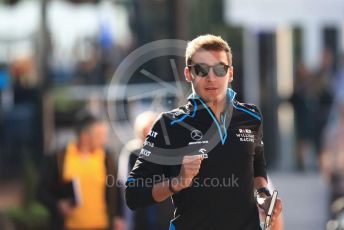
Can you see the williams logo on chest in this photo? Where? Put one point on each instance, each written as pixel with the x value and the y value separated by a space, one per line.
pixel 245 135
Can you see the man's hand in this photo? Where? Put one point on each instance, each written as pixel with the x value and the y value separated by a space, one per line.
pixel 264 206
pixel 119 223
pixel 190 168
pixel 65 207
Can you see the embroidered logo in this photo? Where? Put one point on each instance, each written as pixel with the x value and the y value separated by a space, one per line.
pixel 196 135
pixel 153 134
pixel 148 143
pixel 245 135
pixel 204 155
pixel 145 152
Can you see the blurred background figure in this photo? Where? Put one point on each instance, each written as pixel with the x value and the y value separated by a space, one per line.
pixel 312 100
pixel 332 168
pixel 21 118
pixel 332 155
pixel 338 83
pixel 304 103
pixel 151 218
pixel 323 79
pixel 78 182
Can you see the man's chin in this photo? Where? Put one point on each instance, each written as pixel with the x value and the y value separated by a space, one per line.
pixel 214 98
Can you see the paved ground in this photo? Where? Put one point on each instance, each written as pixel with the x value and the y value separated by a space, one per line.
pixel 304 198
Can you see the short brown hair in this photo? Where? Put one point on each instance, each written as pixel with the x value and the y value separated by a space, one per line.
pixel 85 119
pixel 207 42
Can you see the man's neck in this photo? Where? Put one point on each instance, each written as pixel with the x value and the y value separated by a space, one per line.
pixel 217 107
pixel 83 149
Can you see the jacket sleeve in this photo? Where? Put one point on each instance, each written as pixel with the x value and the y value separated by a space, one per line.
pixel 147 172
pixel 49 179
pixel 114 197
pixel 259 158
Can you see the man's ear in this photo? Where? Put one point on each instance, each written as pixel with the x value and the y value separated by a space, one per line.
pixel 231 74
pixel 187 74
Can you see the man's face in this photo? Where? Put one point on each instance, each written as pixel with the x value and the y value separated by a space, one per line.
pixel 211 88
pixel 97 135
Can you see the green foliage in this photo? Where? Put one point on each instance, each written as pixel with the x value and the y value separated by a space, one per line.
pixel 63 103
pixel 29 215
pixel 32 217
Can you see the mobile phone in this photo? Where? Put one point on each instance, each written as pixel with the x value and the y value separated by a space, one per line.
pixel 271 209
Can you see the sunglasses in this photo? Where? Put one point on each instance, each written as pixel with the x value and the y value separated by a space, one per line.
pixel 202 70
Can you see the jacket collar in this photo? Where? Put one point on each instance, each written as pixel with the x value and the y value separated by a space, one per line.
pixel 230 95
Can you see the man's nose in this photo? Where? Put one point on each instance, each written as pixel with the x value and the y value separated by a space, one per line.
pixel 211 75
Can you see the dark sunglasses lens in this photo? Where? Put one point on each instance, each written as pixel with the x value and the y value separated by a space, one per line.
pixel 220 70
pixel 201 70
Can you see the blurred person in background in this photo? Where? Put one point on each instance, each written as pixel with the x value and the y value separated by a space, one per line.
pixel 20 117
pixel 312 96
pixel 323 82
pixel 155 217
pixel 332 155
pixel 78 183
pixel 338 83
pixel 304 103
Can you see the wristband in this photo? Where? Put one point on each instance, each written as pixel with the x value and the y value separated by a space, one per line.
pixel 170 187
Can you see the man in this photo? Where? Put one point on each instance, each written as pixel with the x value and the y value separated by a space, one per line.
pixel 77 182
pixel 331 158
pixel 150 218
pixel 217 140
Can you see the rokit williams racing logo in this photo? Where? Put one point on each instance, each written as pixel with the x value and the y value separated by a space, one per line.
pixel 245 135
